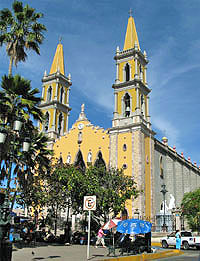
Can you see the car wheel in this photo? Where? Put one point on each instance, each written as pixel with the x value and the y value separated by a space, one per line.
pixel 164 244
pixel 186 246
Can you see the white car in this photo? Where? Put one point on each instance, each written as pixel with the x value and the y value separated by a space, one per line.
pixel 187 240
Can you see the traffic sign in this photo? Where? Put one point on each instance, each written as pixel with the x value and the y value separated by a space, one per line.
pixel 89 203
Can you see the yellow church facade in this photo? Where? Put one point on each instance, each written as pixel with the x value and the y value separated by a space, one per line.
pixel 130 143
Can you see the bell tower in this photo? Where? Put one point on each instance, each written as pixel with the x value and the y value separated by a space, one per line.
pixel 55 94
pixel 131 137
pixel 130 88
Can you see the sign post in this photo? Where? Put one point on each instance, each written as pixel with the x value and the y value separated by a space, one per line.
pixel 89 204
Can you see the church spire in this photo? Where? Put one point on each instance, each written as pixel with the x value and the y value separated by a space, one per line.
pixel 131 38
pixel 58 61
pixel 131 88
pixel 55 95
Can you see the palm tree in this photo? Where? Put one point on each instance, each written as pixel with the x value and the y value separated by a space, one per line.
pixel 20 31
pixel 18 99
pixel 32 174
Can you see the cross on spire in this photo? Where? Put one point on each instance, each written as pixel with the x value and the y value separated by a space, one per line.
pixel 130 12
pixel 60 39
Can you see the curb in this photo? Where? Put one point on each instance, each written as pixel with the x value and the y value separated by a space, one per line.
pixel 156 244
pixel 143 257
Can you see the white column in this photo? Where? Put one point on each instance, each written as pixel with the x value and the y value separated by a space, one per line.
pixel 68 96
pixel 116 96
pixel 117 73
pixel 53 127
pixel 136 68
pixel 145 75
pixel 147 107
pixel 56 94
pixel 116 102
pixel 42 92
pixel 137 102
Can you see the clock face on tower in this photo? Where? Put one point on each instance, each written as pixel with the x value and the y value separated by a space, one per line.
pixel 80 126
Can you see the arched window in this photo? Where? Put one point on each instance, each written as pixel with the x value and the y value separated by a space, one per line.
pixel 161 168
pixel 124 166
pixel 61 94
pixel 46 125
pixel 141 72
pixel 68 159
pixel 124 147
pixel 89 157
pixel 127 72
pixel 60 123
pixel 80 137
pixel 60 160
pixel 142 100
pixel 99 162
pixel 127 110
pixel 79 163
pixel 49 94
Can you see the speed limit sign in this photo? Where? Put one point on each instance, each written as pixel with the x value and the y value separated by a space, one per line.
pixel 89 203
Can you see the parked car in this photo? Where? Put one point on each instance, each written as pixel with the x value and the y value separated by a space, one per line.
pixel 187 240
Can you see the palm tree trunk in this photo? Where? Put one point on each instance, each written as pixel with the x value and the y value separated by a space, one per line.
pixel 10 66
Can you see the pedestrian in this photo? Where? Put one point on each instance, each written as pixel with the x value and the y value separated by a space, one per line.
pixel 178 239
pixel 100 238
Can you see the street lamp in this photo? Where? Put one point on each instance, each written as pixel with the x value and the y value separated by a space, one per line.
pixel 5 217
pixel 164 191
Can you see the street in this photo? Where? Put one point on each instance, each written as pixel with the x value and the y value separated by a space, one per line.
pixel 79 253
pixel 191 255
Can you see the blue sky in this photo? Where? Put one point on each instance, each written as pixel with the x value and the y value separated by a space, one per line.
pixel 91 30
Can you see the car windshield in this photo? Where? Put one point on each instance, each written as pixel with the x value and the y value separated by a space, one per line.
pixel 186 234
pixel 171 235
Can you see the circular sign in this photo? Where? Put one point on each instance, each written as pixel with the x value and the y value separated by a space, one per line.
pixel 90 203
pixel 80 126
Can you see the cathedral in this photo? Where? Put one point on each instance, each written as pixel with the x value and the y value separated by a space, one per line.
pixel 130 143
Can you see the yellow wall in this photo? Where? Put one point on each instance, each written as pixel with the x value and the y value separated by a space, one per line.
pixel 93 139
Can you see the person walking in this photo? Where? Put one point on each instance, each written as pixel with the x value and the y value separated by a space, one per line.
pixel 100 238
pixel 178 239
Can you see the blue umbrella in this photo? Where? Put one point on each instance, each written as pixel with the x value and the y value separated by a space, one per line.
pixel 134 226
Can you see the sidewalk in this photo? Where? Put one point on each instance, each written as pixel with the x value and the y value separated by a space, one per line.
pixel 74 253
pixel 59 253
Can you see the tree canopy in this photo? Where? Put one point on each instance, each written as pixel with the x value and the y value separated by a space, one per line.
pixel 191 208
pixel 19 100
pixel 111 187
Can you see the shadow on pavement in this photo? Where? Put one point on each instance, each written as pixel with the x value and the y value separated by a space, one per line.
pixel 53 257
pixel 49 257
pixel 94 256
